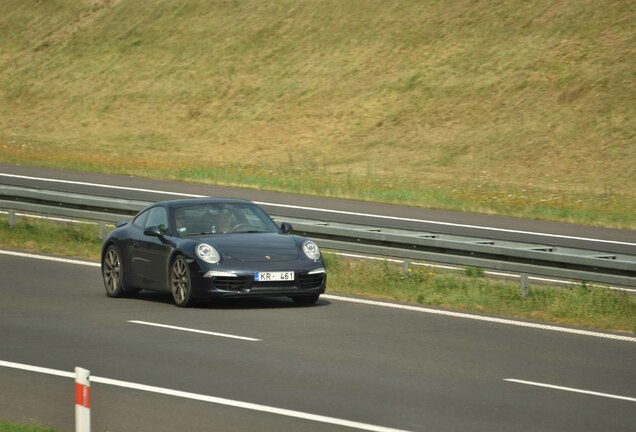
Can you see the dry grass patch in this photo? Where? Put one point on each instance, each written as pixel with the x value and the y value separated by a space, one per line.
pixel 414 97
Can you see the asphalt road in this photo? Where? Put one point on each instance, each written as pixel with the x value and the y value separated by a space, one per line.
pixel 356 212
pixel 382 367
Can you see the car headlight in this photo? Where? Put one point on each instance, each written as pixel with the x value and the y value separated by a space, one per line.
pixel 207 253
pixel 311 250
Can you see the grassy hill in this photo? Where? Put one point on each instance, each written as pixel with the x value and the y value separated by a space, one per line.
pixel 511 107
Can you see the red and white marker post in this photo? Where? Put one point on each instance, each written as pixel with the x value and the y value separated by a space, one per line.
pixel 82 400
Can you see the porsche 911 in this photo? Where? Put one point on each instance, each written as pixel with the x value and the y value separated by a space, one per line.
pixel 206 248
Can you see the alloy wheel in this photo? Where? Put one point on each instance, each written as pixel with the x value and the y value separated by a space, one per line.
pixel 180 282
pixel 112 272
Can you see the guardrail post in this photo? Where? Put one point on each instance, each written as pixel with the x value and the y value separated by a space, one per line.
pixel 101 230
pixel 82 400
pixel 405 266
pixel 11 218
pixel 523 285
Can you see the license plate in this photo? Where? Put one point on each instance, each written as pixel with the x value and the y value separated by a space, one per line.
pixel 273 276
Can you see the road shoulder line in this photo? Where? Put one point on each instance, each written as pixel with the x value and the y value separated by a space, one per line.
pixel 390 305
pixel 206 398
pixel 480 318
pixel 571 389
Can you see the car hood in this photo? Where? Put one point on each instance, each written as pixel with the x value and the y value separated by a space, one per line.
pixel 249 247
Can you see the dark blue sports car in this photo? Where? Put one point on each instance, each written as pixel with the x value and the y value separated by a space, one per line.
pixel 208 248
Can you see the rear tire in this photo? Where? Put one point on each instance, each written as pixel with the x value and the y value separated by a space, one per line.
pixel 112 273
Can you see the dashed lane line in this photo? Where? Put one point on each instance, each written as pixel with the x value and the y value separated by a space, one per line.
pixel 399 306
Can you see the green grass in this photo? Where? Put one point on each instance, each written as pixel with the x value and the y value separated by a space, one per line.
pixel 15 427
pixel 524 109
pixel 582 305
pixel 64 239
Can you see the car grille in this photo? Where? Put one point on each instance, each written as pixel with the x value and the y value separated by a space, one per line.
pixel 247 282
pixel 231 283
pixel 274 285
pixel 311 281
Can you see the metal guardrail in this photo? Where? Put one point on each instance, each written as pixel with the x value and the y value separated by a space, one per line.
pixel 524 258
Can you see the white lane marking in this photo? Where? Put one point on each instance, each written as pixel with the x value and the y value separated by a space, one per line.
pixel 369 215
pixel 570 389
pixel 49 258
pixel 206 398
pixel 480 318
pixel 432 222
pixel 195 331
pixel 32 216
pixel 390 305
pixel 99 185
pixel 37 369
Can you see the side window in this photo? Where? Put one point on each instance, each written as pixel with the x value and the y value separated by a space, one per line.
pixel 157 217
pixel 140 220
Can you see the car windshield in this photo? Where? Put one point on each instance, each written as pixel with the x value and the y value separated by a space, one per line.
pixel 222 218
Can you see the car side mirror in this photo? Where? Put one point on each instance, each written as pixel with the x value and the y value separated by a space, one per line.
pixel 153 231
pixel 285 228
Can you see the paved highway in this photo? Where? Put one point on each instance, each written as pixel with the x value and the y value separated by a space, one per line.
pixel 357 212
pixel 267 365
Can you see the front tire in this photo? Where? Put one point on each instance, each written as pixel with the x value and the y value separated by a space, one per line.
pixel 181 282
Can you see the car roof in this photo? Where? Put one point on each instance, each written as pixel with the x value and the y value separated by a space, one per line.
pixel 206 200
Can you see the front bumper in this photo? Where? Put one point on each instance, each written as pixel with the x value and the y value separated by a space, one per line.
pixel 240 283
